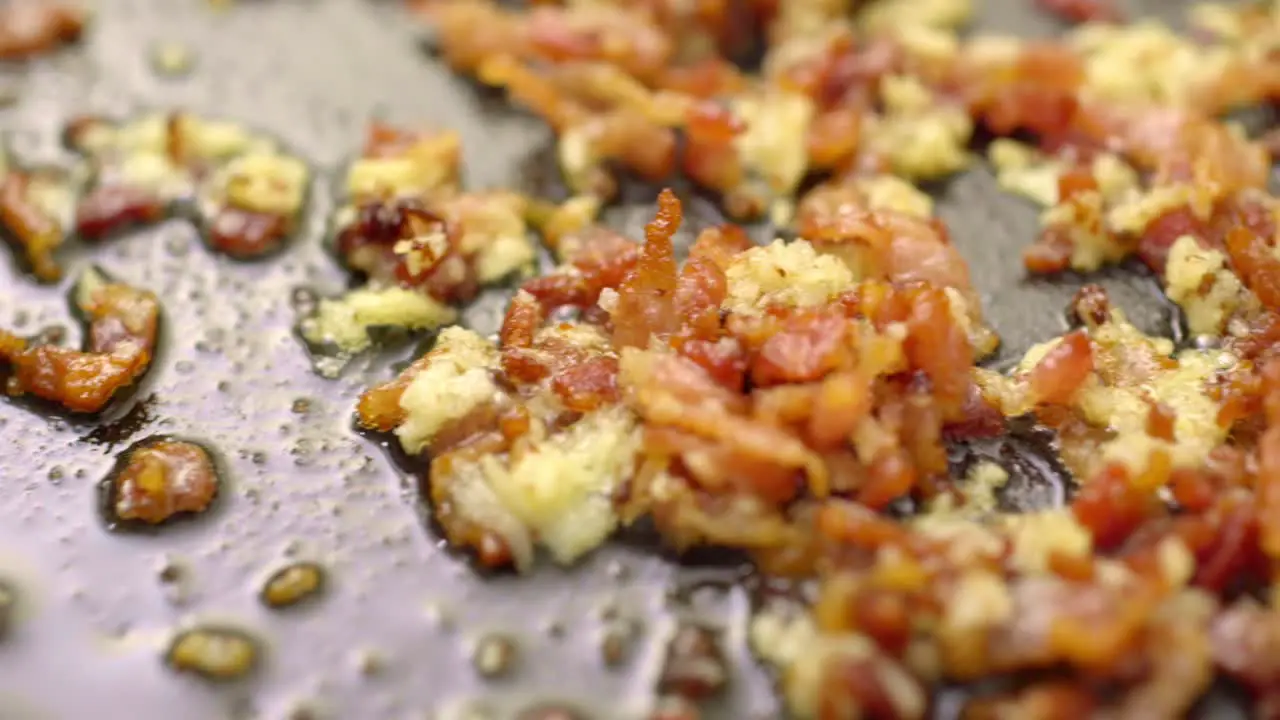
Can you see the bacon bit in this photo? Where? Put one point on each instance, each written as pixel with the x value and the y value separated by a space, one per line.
pixel 978 418
pixel 707 78
pixel 891 476
pixel 1110 507
pixel 1091 306
pixel 701 288
pixel 645 298
pixel 161 480
pixel 1226 560
pixel 33 27
pixel 806 348
pixel 1268 490
pixel 710 158
pixel 1074 181
pixel 1259 269
pixel 32 228
pixel 712 122
pixel 589 385
pixel 843 401
pixel 245 234
pixel 724 361
pixel 1082 11
pixel 384 140
pixel 108 208
pixel 1050 253
pixel 383 223
pixel 849 523
pixel 940 348
pixel 379 406
pixel 627 39
pixel 1063 369
pixel 1037 95
pixel 1164 231
pixel 520 324
pixel 121 340
pixel 833 138
pixel 1160 421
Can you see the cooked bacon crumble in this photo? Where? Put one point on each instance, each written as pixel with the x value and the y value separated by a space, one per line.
pixel 122 323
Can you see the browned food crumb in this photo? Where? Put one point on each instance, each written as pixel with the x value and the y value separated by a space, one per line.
pixel 422 244
pixel 695 667
pixel 163 479
pixel 214 653
pixel 248 191
pixel 495 655
pixel 293 584
pixel 119 344
pixel 33 27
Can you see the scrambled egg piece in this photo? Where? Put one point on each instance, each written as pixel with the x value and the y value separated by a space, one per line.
pixel 1124 409
pixel 1083 216
pixel 1021 170
pixel 784 273
pixel 1025 171
pixel 774 147
pixel 1146 63
pixel 921 144
pixel 345 321
pixel 1199 281
pixel 1039 535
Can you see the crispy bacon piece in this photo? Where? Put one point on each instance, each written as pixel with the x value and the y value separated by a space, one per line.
pixel 107 208
pixel 1082 11
pixel 1063 369
pixel 163 479
pixel 244 233
pixel 646 297
pixel 120 342
pixel 33 27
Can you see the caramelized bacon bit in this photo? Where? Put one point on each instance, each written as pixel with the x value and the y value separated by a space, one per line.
pixel 646 296
pixel 1111 507
pixel 1082 11
pixel 1258 267
pixel 805 349
pixel 245 234
pixel 33 27
pixel 162 479
pixel 1063 369
pixel 1091 306
pixel 589 385
pixel 108 208
pixel 120 342
pixel 1160 421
